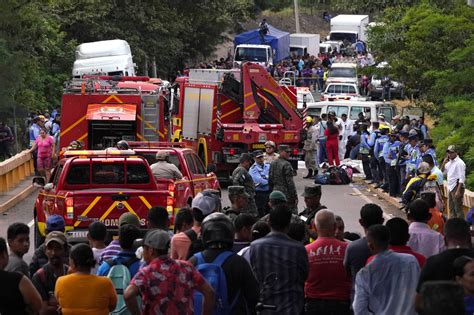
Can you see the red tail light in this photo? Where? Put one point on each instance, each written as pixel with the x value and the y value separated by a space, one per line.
pixel 231 151
pixel 170 202
pixel 69 215
pixel 295 151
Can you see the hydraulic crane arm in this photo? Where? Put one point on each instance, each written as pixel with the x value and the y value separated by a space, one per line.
pixel 258 83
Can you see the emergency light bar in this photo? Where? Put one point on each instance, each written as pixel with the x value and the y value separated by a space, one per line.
pixel 116 78
pixel 109 152
pixel 156 144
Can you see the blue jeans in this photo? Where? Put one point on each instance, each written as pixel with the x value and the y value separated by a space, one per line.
pixel 323 155
pixel 354 152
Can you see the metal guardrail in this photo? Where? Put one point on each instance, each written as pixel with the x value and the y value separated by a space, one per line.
pixel 15 169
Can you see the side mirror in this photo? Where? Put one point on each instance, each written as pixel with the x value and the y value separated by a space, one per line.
pixel 39 181
pixel 211 168
pixel 48 186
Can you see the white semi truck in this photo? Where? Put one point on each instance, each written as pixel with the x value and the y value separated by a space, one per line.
pixel 302 44
pixel 350 27
pixel 108 57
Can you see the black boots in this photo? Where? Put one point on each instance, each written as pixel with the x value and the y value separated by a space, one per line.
pixel 310 174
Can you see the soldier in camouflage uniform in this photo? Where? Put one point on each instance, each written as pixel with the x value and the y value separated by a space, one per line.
pixel 239 200
pixel 312 199
pixel 277 198
pixel 241 177
pixel 281 177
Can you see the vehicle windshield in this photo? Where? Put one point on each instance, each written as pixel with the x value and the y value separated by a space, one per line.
pixel 297 51
pixel 251 54
pixel 309 97
pixel 343 73
pixel 342 36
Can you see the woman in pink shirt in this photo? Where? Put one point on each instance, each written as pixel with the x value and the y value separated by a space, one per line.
pixel 45 145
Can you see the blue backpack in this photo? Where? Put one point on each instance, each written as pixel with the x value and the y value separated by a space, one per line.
pixel 215 276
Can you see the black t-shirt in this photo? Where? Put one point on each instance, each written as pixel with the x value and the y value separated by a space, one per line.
pixel 440 267
pixel 239 275
pixel 11 299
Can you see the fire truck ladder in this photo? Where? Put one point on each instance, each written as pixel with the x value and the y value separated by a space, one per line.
pixel 150 117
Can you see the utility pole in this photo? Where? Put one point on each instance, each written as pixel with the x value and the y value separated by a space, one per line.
pixel 297 17
pixel 153 69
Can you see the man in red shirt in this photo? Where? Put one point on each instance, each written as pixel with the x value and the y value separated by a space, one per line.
pixel 399 237
pixel 327 288
pixel 166 285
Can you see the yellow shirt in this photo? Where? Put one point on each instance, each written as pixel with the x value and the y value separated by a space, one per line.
pixel 85 294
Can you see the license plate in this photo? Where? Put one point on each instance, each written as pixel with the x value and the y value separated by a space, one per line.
pixel 77 234
pixel 258 146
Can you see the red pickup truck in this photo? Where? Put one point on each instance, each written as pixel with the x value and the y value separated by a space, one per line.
pixel 88 186
pixel 196 177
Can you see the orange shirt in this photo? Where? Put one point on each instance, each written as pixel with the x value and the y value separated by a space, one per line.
pixel 180 244
pixel 436 222
pixel 80 294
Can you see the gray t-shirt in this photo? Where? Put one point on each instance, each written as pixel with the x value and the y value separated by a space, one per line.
pixel 17 264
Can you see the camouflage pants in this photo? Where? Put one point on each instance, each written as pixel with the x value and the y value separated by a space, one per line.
pixel 309 160
pixel 252 207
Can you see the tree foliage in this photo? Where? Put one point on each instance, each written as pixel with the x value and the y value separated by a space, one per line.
pixel 38 39
pixel 430 48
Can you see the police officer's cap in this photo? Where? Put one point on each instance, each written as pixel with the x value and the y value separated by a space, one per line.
pixel 413 137
pixel 237 191
pixel 403 133
pixel 162 155
pixel 427 141
pixel 277 195
pixel 284 147
pixel 245 157
pixel 258 153
pixel 312 191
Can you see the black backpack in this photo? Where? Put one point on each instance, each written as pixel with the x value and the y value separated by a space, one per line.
pixel 197 245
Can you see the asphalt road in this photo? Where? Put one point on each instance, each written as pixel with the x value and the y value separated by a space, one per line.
pixel 344 200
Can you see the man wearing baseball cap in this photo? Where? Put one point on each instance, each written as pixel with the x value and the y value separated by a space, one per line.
pixel 239 200
pixel 241 177
pixel 163 168
pixel 54 222
pixel 45 278
pixel 259 172
pixel 281 177
pixel 455 170
pixel 160 284
pixel 270 155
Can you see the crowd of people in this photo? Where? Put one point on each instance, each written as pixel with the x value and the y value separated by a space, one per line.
pixel 235 261
pixel 397 156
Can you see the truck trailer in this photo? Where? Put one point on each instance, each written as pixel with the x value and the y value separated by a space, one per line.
pixel 349 27
pixel 302 44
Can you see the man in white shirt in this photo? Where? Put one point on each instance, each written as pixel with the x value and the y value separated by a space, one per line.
pixel 455 171
pixel 345 132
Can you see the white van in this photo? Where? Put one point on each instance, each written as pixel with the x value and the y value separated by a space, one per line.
pixel 352 108
pixel 108 57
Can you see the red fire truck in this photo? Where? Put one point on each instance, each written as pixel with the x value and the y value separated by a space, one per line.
pixel 222 113
pixel 102 110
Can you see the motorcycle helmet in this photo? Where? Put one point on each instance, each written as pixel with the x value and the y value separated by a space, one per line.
pixel 217 231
